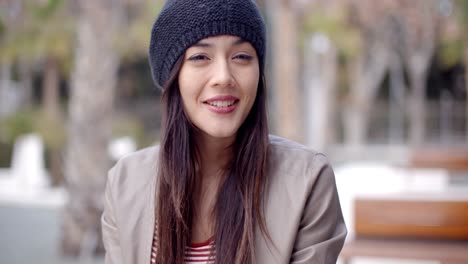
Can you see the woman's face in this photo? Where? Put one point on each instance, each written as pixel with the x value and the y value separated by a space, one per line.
pixel 218 83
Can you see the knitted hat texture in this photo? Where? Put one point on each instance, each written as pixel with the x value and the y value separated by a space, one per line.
pixel 183 23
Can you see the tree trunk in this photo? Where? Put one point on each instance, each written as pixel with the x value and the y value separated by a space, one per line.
pixel 320 71
pixel 466 88
pixel 419 46
pixel 50 88
pixel 26 75
pixel 356 114
pixel 53 116
pixel 366 76
pixel 5 79
pixel 285 70
pixel 397 100
pixel 90 110
pixel 417 106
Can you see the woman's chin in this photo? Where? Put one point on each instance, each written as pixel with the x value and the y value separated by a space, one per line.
pixel 220 133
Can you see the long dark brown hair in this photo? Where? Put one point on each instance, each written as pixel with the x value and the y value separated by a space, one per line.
pixel 238 209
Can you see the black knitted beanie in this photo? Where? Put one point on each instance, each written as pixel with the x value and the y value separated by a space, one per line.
pixel 183 23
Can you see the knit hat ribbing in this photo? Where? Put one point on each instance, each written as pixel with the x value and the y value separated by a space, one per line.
pixel 182 23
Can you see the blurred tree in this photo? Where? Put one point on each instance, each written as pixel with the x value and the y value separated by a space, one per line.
pixel 90 109
pixel 395 36
pixel 463 15
pixel 9 10
pixel 39 34
pixel 361 33
pixel 367 67
pixel 408 31
pixel 135 81
pixel 419 20
pixel 285 69
pixel 137 20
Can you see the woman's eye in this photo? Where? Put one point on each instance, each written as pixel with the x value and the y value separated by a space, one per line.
pixel 198 57
pixel 245 57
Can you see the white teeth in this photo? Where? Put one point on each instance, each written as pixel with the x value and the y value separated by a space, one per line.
pixel 221 103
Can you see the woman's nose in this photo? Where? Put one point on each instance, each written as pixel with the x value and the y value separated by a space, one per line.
pixel 222 74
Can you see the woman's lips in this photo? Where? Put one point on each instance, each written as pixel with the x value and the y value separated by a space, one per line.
pixel 222 104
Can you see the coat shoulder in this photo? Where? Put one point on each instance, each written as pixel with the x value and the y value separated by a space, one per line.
pixel 136 168
pixel 145 157
pixel 295 168
pixel 286 153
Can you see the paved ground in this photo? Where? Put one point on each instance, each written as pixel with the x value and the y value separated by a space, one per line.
pixel 30 225
pixel 32 235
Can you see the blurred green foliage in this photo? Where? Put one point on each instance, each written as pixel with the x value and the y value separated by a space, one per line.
pixel 335 25
pixel 51 130
pixel 451 52
pixel 42 29
pixel 128 126
pixel 10 128
pixel 136 39
pixel 346 38
pixel 5 154
pixel 16 124
pixel 47 9
pixel 2 27
pixel 462 8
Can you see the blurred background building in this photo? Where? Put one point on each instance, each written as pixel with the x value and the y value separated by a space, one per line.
pixel 379 86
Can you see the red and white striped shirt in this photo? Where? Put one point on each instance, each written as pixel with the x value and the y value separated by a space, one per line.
pixel 196 253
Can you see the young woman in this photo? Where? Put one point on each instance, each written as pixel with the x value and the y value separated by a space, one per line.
pixel 218 188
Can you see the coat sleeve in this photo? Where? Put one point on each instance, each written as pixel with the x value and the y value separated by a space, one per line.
pixel 110 230
pixel 322 230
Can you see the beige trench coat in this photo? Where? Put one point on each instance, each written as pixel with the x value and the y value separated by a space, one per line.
pixel 302 210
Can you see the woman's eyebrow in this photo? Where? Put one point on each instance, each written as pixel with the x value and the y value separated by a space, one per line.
pixel 203 44
pixel 239 41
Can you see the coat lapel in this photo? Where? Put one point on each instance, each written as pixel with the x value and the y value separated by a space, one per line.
pixel 146 226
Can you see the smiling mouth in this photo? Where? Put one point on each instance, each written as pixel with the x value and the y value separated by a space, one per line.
pixel 222 103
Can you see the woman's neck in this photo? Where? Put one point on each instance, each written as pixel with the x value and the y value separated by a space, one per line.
pixel 215 153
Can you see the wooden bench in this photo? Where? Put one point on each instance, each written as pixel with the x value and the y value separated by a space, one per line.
pixel 413 217
pixel 444 158
pixel 444 251
pixel 410 227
